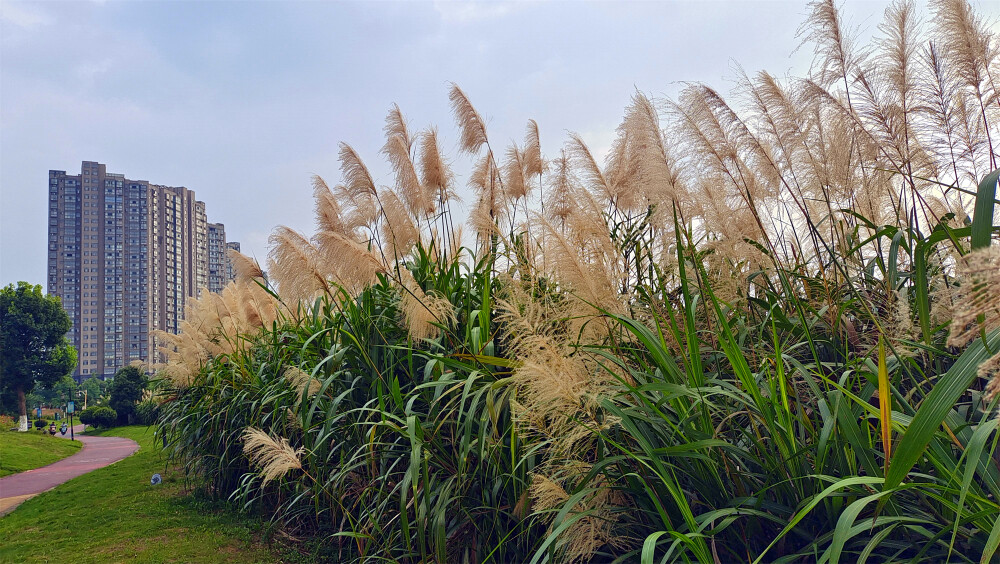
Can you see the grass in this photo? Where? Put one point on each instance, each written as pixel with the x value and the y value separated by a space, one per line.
pixel 115 515
pixel 26 451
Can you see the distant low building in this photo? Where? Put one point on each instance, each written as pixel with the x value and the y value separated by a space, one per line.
pixel 125 256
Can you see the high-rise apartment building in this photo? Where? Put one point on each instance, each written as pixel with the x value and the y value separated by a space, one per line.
pixel 217 258
pixel 125 256
pixel 230 271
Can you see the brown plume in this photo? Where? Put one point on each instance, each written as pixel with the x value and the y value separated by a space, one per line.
pixel 469 121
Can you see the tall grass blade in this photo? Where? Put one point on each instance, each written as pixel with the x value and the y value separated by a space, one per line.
pixel 935 407
pixel 884 403
pixel 982 217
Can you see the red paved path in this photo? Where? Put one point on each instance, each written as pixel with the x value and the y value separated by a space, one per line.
pixel 97 452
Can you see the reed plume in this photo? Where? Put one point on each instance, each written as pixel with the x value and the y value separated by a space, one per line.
pixel 246 268
pixel 272 456
pixel 977 308
pixel 347 262
pixel 294 266
pixel 834 57
pixel 592 531
pixel 435 173
pixel 588 171
pixel 423 312
pixel 974 51
pixel 978 297
pixel 487 213
pixel 301 381
pixel 562 188
pixel 358 190
pixel 469 121
pixel 329 216
pixel 407 182
pixel 395 126
pixel 514 177
pixel 399 231
pixel 534 164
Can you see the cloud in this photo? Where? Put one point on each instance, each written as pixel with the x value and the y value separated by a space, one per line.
pixel 92 69
pixel 471 12
pixel 24 16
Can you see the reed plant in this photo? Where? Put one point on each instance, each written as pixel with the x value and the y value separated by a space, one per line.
pixel 763 330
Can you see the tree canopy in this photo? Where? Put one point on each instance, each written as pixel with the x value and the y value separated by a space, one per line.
pixel 33 330
pixel 96 389
pixel 126 391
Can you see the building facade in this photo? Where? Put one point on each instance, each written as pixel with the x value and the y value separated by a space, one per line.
pixel 217 258
pixel 230 271
pixel 125 256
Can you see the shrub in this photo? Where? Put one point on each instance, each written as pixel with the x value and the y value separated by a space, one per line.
pixel 7 422
pixel 41 423
pixel 99 417
pixel 146 412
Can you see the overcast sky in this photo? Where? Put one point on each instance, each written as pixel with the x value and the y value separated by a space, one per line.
pixel 244 101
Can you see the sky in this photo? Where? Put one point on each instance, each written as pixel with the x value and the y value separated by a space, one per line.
pixel 243 101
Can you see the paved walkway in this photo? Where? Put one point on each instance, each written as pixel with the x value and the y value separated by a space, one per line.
pixel 97 452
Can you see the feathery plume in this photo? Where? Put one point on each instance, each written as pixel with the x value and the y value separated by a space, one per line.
pixel 471 123
pixel 488 211
pixel 974 52
pixel 936 95
pixel 977 307
pixel 346 261
pixel 328 213
pixel 978 295
pixel 533 163
pixel 246 268
pixel 967 41
pixel 834 57
pixel 294 267
pixel 436 175
pixel 358 191
pixel 357 180
pixel 423 311
pixel 588 533
pixel 274 457
pixel 408 183
pixel 514 181
pixel 562 187
pixel 398 229
pixel 899 50
pixel 301 381
pixel 591 173
pixel 395 126
pixel 623 167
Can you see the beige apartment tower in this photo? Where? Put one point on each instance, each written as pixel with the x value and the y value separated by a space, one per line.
pixel 125 256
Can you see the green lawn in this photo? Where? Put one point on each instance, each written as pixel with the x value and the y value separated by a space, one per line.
pixel 115 515
pixel 24 451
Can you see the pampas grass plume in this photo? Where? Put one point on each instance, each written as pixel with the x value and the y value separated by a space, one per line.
pixel 274 457
pixel 469 121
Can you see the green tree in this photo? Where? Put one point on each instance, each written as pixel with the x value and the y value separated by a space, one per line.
pixel 96 389
pixel 126 391
pixel 56 394
pixel 33 342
